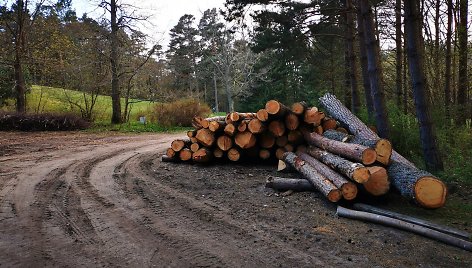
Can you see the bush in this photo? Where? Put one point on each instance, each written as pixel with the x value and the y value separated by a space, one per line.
pixel 41 122
pixel 179 113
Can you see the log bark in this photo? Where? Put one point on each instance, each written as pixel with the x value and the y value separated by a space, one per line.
pixel 224 143
pixel 348 189
pixel 291 121
pixel 403 225
pixel 352 151
pixel 354 171
pixel 203 155
pixel 262 115
pixel 245 139
pixel 378 183
pixel 234 154
pixel 434 226
pixel 255 126
pixel 276 108
pixel 285 184
pixel 299 108
pixel 382 147
pixel 205 137
pixel 178 145
pixel 320 182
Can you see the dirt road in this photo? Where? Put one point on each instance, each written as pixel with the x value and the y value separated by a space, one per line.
pixel 77 199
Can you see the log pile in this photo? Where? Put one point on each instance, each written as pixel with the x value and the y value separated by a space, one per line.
pixel 334 152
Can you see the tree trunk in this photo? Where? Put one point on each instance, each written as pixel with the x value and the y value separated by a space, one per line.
pixel 398 52
pixel 321 183
pixel 291 121
pixel 224 143
pixel 299 108
pixel 276 108
pixel 255 126
pixel 217 109
pixel 115 82
pixel 19 82
pixel 463 85
pixel 355 152
pixel 245 140
pixel 364 65
pixel 447 75
pixel 378 183
pixel 420 92
pixel 355 99
pixel 286 184
pixel 205 137
pixel 375 70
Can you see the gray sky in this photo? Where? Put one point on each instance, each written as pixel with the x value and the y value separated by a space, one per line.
pixel 164 13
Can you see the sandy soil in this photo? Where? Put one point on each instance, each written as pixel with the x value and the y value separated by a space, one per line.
pixel 78 199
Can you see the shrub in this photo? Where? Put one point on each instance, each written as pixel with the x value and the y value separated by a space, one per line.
pixel 41 122
pixel 179 113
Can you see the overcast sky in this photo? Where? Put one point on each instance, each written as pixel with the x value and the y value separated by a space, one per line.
pixel 164 13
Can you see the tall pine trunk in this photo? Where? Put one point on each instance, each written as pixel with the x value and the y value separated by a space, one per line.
pixel 115 82
pixel 375 70
pixel 20 43
pixel 447 74
pixel 355 99
pixel 463 79
pixel 398 53
pixel 415 61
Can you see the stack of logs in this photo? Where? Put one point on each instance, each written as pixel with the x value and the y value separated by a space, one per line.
pixel 319 147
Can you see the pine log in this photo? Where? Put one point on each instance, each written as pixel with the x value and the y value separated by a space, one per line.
pixel 197 122
pixel 216 126
pixel 203 155
pixel 378 183
pixel 205 137
pixel 245 139
pixel 321 183
pixel 329 123
pixel 255 126
pixel 242 126
pixel 266 140
pixel 382 147
pixel 352 151
pixel 218 153
pixel 301 148
pixel 193 140
pixel 236 116
pixel 355 171
pixel 281 141
pixel 299 108
pixel 224 143
pixel 282 166
pixel 318 130
pixel 277 128
pixel 230 129
pixel 276 108
pixel 285 184
pixel 264 154
pixel 404 225
pixel 295 137
pixel 355 126
pixel 194 147
pixel 178 145
pixel 289 147
pixel 262 115
pixel 211 119
pixel 348 189
pixel 291 121
pixel 191 133
pixel 234 154
pixel 342 130
pixel 185 154
pixel 434 226
pixel 279 153
pixel 170 153
pixel 313 116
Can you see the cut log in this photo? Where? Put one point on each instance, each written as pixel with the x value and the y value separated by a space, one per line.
pixel 193 140
pixel 299 108
pixel 357 128
pixel 245 139
pixel 434 226
pixel 266 140
pixel 403 225
pixel 285 184
pixel 224 143
pixel 321 183
pixel 318 130
pixel 170 153
pixel 234 154
pixel 291 121
pixel 242 126
pixel 382 147
pixel 178 145
pixel 355 171
pixel 235 116
pixel 185 154
pixel 342 130
pixel 262 115
pixel 191 133
pixel 276 108
pixel 207 121
pixel 378 184
pixel 348 189
pixel 352 151
pixel 313 116
pixel 277 128
pixel 281 141
pixel 279 153
pixel 194 147
pixel 230 129
pixel 419 185
pixel 329 123
pixel 218 153
pixel 205 137
pixel 289 147
pixel 282 166
pixel 197 122
pixel 203 155
pixel 295 137
pixel 264 154
pixel 301 148
pixel 216 126
pixel 255 126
